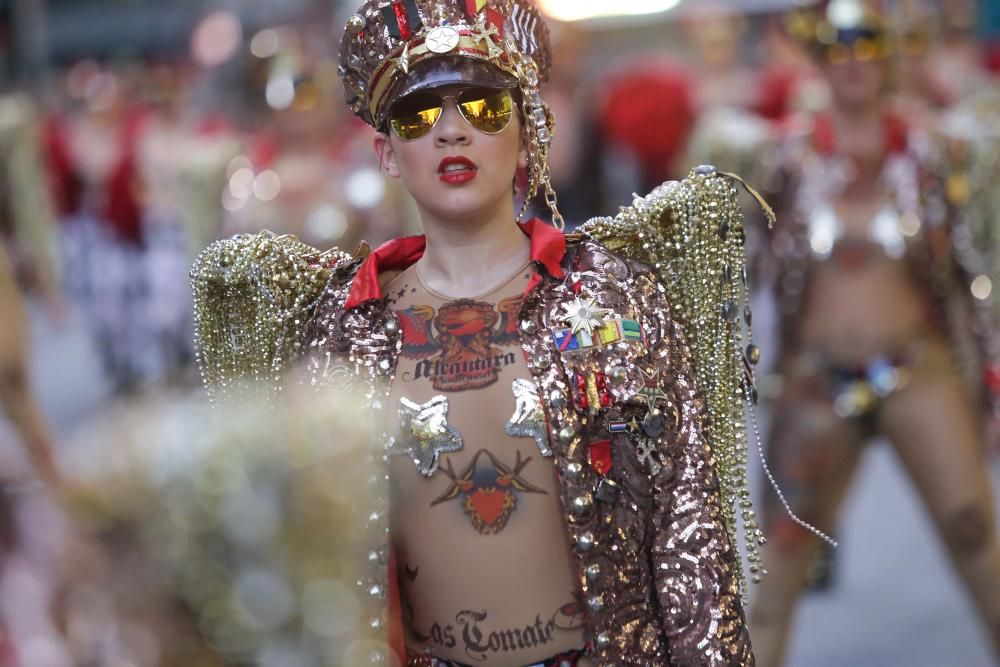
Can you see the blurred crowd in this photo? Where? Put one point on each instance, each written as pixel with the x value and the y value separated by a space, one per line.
pixel 119 170
pixel 116 171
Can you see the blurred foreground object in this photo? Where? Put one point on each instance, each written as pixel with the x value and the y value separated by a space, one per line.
pixel 240 529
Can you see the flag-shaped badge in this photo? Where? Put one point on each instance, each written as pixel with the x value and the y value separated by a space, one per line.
pixel 565 340
pixel 609 333
pixel 618 426
pixel 631 330
pixel 473 7
pixel 402 19
pixel 600 456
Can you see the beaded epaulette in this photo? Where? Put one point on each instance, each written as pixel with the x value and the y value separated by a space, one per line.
pixel 691 231
pixel 254 295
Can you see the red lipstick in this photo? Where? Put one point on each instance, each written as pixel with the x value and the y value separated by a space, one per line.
pixel 456 170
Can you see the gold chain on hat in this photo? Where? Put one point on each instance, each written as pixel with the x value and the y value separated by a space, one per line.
pixel 539 123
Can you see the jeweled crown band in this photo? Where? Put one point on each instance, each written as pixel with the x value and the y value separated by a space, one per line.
pixel 467 43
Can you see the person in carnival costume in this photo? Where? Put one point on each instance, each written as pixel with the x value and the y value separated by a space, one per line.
pixel 879 285
pixel 560 416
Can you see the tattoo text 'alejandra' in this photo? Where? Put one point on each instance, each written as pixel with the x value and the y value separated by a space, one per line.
pixel 479 644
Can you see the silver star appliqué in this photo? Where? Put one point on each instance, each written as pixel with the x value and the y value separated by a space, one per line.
pixel 424 433
pixel 584 315
pixel 404 59
pixel 529 417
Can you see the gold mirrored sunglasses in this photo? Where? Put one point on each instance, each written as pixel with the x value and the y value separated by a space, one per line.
pixel 487 109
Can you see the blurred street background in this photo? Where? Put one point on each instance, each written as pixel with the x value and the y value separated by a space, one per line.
pixel 133 133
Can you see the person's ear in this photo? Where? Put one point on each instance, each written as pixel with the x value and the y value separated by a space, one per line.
pixel 386 155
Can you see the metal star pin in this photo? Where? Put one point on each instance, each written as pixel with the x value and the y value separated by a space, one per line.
pixel 528 420
pixel 584 315
pixel 404 59
pixel 424 433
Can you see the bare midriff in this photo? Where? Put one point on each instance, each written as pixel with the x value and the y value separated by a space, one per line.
pixel 485 569
pixel 851 316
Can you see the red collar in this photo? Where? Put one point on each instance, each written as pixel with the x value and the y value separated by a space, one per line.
pixel 825 137
pixel 548 247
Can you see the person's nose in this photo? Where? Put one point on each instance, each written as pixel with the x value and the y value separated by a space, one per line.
pixel 451 129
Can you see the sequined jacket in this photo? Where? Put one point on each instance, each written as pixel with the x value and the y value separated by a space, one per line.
pixel 656 566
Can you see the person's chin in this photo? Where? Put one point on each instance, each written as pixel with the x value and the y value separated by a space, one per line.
pixel 461 204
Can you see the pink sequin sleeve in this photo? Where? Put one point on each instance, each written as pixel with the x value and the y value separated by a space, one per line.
pixel 695 565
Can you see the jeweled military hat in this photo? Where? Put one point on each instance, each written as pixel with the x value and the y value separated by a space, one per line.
pixel 390 46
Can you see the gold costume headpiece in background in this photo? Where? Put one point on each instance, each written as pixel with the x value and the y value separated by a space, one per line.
pixel 838 30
